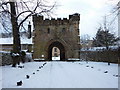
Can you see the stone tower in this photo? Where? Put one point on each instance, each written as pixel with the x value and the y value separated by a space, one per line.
pixel 60 33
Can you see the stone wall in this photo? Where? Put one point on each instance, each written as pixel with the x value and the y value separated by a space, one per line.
pixel 100 56
pixel 6 59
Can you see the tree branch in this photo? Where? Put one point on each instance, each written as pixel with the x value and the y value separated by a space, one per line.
pixel 23 13
pixel 24 20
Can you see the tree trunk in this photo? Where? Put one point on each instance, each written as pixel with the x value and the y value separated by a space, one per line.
pixel 16 34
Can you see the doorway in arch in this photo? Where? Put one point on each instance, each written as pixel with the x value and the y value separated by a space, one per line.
pixel 55 54
pixel 61 49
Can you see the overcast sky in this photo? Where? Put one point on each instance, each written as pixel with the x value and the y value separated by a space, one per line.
pixel 91 11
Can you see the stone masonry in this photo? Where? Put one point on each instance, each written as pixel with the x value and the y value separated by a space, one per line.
pixel 61 33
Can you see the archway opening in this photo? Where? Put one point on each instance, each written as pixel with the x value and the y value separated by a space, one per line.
pixel 55 53
pixel 59 47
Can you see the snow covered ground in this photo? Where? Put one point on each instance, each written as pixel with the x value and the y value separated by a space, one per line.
pixel 56 58
pixel 59 74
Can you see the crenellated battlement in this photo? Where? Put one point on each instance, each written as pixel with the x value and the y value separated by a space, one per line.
pixel 40 19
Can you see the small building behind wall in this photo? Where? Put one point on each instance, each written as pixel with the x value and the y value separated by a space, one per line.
pixel 55 52
pixel 6 44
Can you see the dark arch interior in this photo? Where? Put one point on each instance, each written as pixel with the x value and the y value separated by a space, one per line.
pixel 61 48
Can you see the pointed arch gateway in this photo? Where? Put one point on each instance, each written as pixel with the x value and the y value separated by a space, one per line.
pixel 61 48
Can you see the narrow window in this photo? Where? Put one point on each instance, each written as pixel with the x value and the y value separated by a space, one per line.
pixel 48 31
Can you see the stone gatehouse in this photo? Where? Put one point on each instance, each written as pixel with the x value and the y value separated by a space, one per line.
pixel 60 33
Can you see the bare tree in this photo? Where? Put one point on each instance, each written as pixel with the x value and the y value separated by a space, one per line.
pixel 115 12
pixel 117 8
pixel 19 12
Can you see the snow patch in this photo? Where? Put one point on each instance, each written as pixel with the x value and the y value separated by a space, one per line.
pixel 15 54
pixel 56 58
pixel 73 59
pixel 39 59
